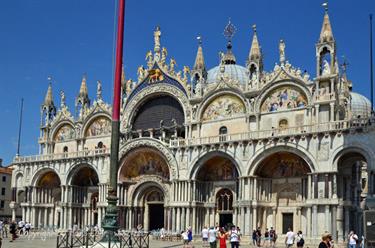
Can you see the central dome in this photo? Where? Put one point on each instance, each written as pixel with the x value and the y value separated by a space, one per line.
pixel 233 71
pixel 360 105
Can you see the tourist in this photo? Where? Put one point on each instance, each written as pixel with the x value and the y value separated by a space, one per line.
pixel 289 238
pixel 299 239
pixel 254 237
pixel 326 238
pixel 205 236
pixel 234 237
pixel 266 238
pixel 259 236
pixel 1 229
pixel 190 234
pixel 21 224
pixel 185 238
pixel 13 230
pixel 212 236
pixel 353 239
pixel 223 238
pixel 273 237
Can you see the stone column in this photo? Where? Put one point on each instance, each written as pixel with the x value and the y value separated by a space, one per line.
pixel 309 222
pixel 255 224
pixel 328 218
pixel 334 186
pixel 315 221
pixel 194 224
pixel 340 222
pixel 334 223
pixel 178 221
pixel 188 218
pixel 173 219
pixel 274 217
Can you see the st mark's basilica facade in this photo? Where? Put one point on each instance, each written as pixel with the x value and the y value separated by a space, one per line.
pixel 230 144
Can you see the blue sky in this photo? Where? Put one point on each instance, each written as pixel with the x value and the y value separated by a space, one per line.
pixel 68 38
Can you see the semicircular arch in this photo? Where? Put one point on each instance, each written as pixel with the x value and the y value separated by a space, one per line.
pixel 262 153
pixel 61 133
pixel 297 94
pixel 138 191
pixel 74 169
pixel 229 100
pixel 201 159
pixel 131 145
pixel 353 148
pixel 148 93
pixel 42 172
pixel 96 125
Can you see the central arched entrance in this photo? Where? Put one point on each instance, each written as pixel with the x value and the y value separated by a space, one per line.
pixel 144 171
pixel 216 184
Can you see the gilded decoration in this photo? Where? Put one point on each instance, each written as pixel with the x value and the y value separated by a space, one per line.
pixel 283 164
pixel 284 98
pixel 66 132
pixel 223 107
pixel 217 169
pixel 100 126
pixel 49 180
pixel 144 161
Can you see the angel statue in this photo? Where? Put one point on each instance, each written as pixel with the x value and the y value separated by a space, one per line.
pixel 282 51
pixel 186 72
pixel 172 64
pixel 140 73
pixel 149 58
pixel 164 54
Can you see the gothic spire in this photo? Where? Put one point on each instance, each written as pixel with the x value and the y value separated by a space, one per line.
pixel 48 109
pixel 255 52
pixel 48 100
pixel 199 59
pixel 83 96
pixel 326 34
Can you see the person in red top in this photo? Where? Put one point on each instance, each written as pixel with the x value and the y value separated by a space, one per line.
pixel 223 238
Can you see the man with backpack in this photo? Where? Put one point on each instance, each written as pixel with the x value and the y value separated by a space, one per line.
pixel 299 239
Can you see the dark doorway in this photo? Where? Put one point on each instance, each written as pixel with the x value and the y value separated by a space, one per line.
pixel 287 222
pixel 156 216
pixel 226 220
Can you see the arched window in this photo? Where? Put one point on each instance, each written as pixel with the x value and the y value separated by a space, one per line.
pixel 283 124
pixel 223 131
pixel 224 200
pixel 65 149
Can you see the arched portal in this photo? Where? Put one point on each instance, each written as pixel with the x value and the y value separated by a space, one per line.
pixel 46 198
pixel 281 189
pixel 154 204
pixel 354 184
pixel 216 189
pixel 84 188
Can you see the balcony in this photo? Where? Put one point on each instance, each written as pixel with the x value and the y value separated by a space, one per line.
pixel 59 156
pixel 275 133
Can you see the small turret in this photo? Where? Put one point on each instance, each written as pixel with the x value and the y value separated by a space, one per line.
pixel 199 72
pixel 48 109
pixel 82 100
pixel 255 59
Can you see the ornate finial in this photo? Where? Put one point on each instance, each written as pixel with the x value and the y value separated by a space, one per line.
pixel 49 78
pixel 99 96
pixel 325 6
pixel 282 51
pixel 254 28
pixel 229 31
pixel 199 39
pixel 62 100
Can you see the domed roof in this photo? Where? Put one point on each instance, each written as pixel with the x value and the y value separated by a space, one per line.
pixel 233 71
pixel 360 105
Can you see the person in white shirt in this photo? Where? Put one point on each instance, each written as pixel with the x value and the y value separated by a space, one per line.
pixel 205 237
pixel 234 237
pixel 289 238
pixel 212 236
pixel 353 238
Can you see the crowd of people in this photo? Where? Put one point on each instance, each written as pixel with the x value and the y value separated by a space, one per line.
pixel 13 229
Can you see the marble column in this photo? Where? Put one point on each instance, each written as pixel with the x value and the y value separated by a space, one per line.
pixel 315 221
pixel 309 222
pixel 174 219
pixel 194 224
pixel 334 223
pixel 178 224
pixel 328 218
pixel 340 222
pixel 188 223
pixel 255 224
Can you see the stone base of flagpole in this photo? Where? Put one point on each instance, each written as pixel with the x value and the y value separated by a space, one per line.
pixel 110 221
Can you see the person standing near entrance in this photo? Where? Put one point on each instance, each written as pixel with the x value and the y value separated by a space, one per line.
pixel 223 238
pixel 289 238
pixel 353 239
pixel 234 237
pixel 273 237
pixel 205 237
pixel 212 236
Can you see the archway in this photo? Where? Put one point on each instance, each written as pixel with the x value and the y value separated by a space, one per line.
pixel 354 182
pixel 46 198
pixel 281 182
pixel 141 162
pixel 84 189
pixel 154 204
pixel 224 207
pixel 217 168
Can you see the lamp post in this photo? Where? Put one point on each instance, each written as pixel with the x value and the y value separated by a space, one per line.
pixel 110 221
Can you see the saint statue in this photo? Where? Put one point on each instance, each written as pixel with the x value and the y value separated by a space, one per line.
pixel 282 51
pixel 326 68
pixel 99 90
pixel 157 34
pixel 62 101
